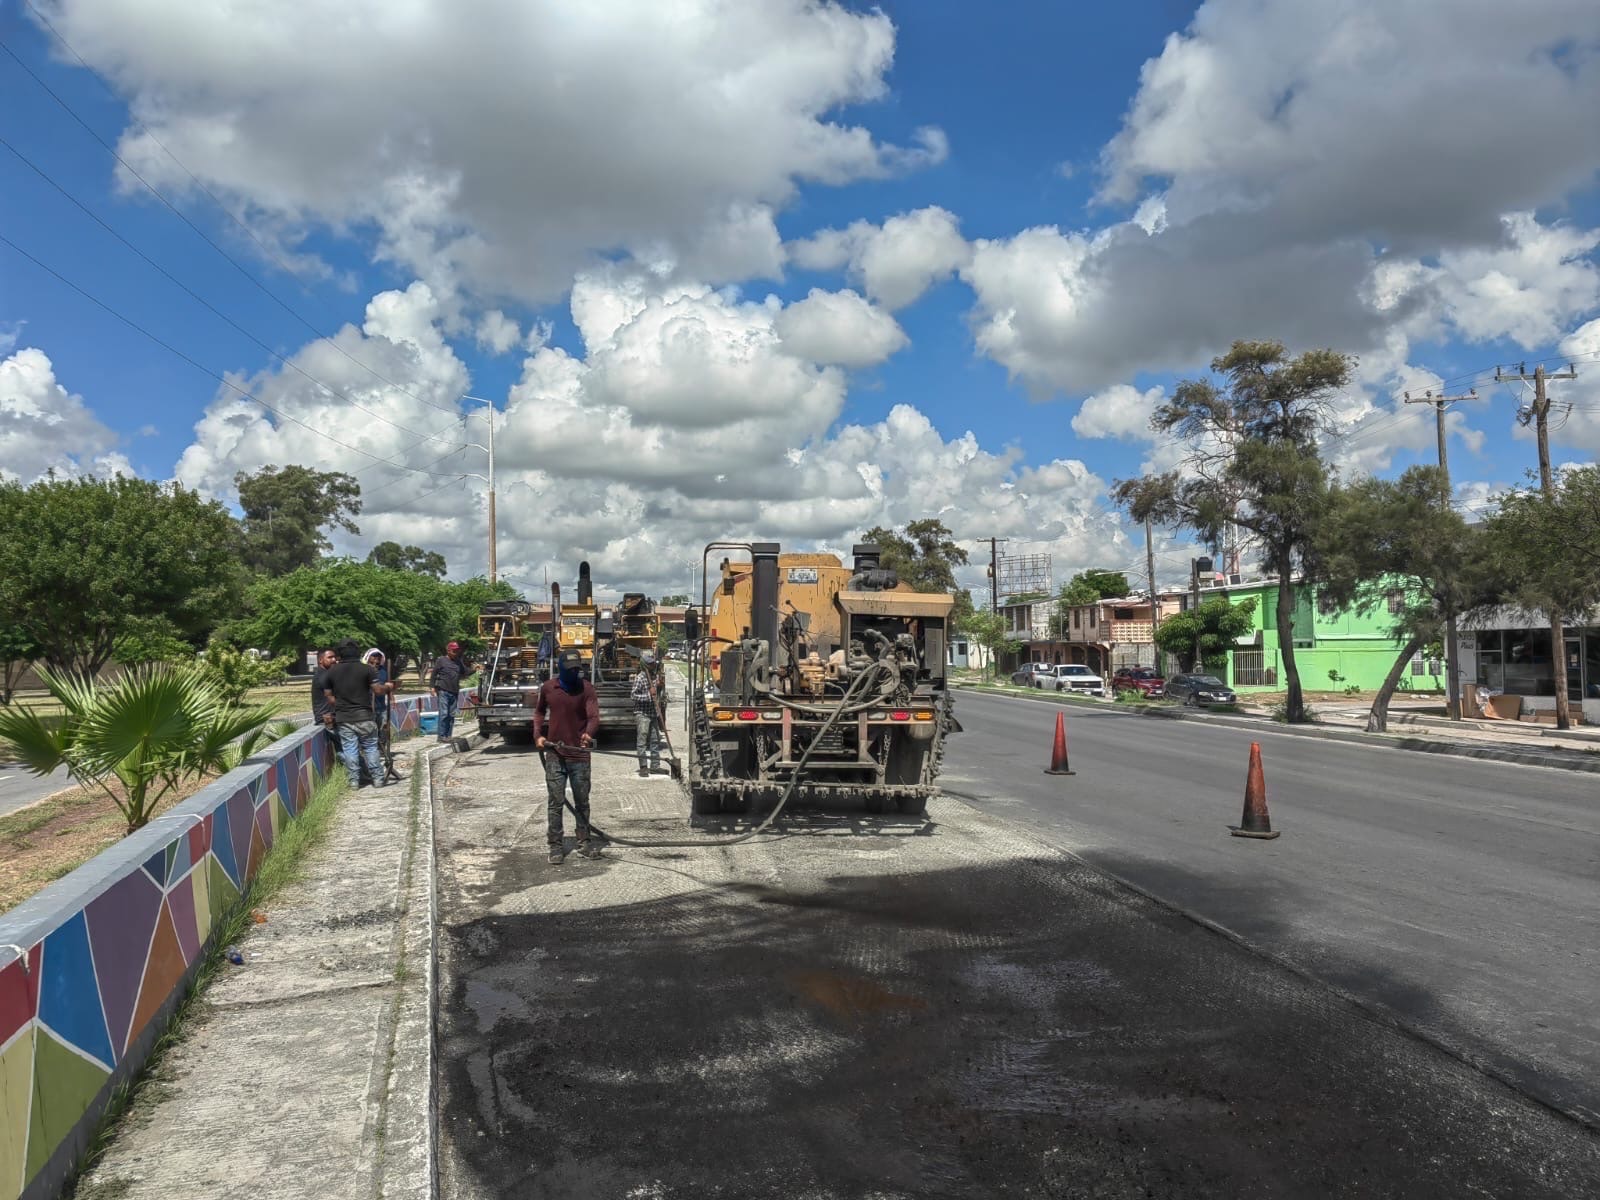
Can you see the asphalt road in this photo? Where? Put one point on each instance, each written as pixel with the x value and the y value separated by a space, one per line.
pixel 19 786
pixel 1462 897
pixel 897 1008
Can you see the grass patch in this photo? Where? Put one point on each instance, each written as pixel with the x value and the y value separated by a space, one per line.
pixel 283 864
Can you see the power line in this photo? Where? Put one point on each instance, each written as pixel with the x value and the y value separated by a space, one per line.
pixel 213 309
pixel 177 212
pixel 199 366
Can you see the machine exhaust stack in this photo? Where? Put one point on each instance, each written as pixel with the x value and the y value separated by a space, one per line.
pixel 585 585
pixel 764 597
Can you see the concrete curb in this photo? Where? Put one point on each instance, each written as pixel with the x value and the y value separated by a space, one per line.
pixel 1553 757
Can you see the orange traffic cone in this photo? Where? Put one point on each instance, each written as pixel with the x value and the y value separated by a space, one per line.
pixel 1255 823
pixel 1058 752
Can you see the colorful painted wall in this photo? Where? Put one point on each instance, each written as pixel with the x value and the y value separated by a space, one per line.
pixel 94 964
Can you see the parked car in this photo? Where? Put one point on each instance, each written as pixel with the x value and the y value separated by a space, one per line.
pixel 1195 690
pixel 1145 680
pixel 1029 673
pixel 1074 677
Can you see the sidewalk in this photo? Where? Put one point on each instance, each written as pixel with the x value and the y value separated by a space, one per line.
pixel 306 1071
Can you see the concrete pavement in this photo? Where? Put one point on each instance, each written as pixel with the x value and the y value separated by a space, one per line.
pixel 1461 897
pixel 306 1072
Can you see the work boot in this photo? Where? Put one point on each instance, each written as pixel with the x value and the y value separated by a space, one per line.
pixel 643 774
pixel 588 849
pixel 557 856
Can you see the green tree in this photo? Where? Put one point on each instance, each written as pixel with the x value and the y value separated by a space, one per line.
pixel 1383 538
pixel 1094 584
pixel 1216 626
pixel 676 600
pixel 925 556
pixel 989 630
pixel 98 556
pixel 18 649
pixel 233 673
pixel 151 640
pixel 463 602
pixel 149 731
pixel 1254 463
pixel 340 598
pixel 287 512
pixel 408 558
pixel 1547 549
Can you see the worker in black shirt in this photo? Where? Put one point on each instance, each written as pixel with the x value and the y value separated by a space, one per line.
pixel 351 686
pixel 319 701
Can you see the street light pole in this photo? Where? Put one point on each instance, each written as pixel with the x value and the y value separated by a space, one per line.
pixel 493 564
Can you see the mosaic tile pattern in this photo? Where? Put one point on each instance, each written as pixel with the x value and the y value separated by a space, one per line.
pixel 94 975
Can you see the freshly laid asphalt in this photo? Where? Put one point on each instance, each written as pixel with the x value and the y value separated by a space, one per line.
pixel 899 1007
pixel 1462 897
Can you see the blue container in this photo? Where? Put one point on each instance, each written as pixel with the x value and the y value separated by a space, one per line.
pixel 428 722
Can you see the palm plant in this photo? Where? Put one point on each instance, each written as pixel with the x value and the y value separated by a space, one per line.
pixel 151 730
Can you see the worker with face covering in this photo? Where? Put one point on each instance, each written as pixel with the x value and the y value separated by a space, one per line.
pixel 566 718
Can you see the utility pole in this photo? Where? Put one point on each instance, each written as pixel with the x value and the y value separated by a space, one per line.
pixel 994 574
pixel 1541 418
pixel 490 414
pixel 1452 645
pixel 1150 570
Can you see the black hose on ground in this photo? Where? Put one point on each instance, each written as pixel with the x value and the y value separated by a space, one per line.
pixel 788 792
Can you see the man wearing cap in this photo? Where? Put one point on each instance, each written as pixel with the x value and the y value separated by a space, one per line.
pixel 375 659
pixel 649 699
pixel 566 718
pixel 445 683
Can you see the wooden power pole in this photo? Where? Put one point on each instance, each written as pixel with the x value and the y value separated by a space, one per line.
pixel 1452 646
pixel 1541 419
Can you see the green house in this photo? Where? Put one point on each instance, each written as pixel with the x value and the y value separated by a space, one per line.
pixel 1334 648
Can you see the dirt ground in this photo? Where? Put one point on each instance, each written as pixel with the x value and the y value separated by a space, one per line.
pixel 41 843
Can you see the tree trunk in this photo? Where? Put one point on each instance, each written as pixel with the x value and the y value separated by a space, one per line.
pixel 1558 663
pixel 1294 701
pixel 1378 718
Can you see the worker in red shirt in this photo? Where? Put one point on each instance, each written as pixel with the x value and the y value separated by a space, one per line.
pixel 566 718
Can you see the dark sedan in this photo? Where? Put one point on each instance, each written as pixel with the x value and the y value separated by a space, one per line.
pixel 1200 689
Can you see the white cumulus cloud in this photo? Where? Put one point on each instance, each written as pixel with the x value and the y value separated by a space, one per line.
pixel 44 427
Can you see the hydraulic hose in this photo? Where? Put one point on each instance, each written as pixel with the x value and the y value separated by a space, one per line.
pixel 788 792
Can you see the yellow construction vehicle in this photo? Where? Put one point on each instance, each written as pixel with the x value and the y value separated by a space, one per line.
pixel 511 667
pixel 610 658
pixel 811 673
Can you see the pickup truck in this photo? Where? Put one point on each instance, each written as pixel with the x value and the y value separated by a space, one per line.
pixel 1073 677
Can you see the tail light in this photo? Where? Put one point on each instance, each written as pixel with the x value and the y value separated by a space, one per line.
pixel 749 714
pixel 900 716
pixel 722 714
pixel 923 716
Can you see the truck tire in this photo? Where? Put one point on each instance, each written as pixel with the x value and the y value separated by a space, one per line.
pixel 517 737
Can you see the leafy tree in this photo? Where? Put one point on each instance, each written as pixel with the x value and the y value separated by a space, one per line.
pixel 925 556
pixel 1094 584
pixel 408 558
pixel 989 630
pixel 99 556
pixel 463 602
pixel 18 649
pixel 1381 537
pixel 677 599
pixel 1547 549
pixel 151 640
pixel 149 731
pixel 1216 626
pixel 286 511
pixel 340 598
pixel 232 673
pixel 1253 463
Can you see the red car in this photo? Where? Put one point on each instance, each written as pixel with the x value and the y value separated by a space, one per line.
pixel 1139 679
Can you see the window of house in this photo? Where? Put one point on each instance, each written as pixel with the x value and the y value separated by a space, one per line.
pixel 1077 618
pixel 1249 668
pixel 1091 618
pixel 1397 601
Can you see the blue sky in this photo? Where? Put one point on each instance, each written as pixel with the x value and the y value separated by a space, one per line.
pixel 1017 225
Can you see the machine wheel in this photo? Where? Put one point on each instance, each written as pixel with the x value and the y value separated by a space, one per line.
pixel 517 737
pixel 913 806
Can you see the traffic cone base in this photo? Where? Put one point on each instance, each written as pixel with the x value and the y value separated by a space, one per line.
pixel 1255 823
pixel 1058 752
